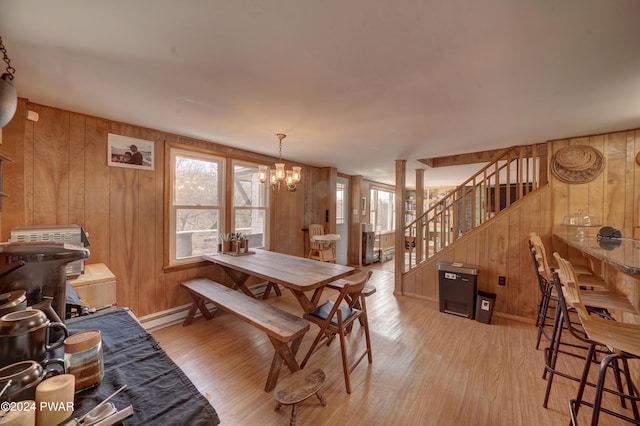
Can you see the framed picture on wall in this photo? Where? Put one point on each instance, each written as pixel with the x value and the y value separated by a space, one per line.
pixel 132 153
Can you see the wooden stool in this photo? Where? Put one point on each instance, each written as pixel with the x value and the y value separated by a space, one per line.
pixel 297 387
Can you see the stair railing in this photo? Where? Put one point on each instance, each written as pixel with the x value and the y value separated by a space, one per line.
pixel 513 175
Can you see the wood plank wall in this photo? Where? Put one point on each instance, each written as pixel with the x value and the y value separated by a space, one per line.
pixel 499 248
pixel 60 176
pixel 614 196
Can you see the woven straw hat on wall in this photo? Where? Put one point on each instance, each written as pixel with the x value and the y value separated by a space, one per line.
pixel 577 164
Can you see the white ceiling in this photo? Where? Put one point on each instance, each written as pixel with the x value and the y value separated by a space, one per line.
pixel 355 84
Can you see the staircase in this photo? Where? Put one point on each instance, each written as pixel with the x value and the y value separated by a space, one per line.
pixel 512 176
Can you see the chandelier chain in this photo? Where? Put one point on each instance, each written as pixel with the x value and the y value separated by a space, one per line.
pixel 10 70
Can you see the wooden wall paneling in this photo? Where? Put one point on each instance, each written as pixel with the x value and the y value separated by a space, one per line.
pixel 124 212
pixel 595 200
pixel 96 208
pixel 29 142
pixel 286 227
pixel 151 295
pixel 355 224
pixel 409 284
pixel 497 245
pixel 615 190
pixel 300 224
pixel 15 137
pixel 330 181
pixel 430 282
pixel 636 187
pixel 627 226
pixel 526 289
pixel 77 180
pixel 51 167
pixel 560 200
pixel 123 241
pixel 484 281
pixel 512 268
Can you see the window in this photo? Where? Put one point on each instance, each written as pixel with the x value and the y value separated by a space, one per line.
pixel 383 210
pixel 340 203
pixel 197 196
pixel 250 206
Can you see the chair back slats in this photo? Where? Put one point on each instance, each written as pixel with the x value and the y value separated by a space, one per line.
pixel 570 286
pixel 316 229
pixel 541 256
pixel 336 318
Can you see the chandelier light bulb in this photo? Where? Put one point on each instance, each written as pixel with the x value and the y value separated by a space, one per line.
pixel 280 174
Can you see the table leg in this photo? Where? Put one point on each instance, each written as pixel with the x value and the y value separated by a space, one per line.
pixel 267 290
pixel 307 304
pixel 239 280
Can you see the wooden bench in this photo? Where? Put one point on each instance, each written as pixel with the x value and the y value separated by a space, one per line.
pixel 285 330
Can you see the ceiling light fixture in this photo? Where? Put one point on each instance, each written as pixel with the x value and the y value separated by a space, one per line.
pixel 8 93
pixel 279 174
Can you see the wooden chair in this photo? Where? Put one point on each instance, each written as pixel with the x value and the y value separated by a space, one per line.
pixel 621 340
pixel 336 317
pixel 367 291
pixel 320 250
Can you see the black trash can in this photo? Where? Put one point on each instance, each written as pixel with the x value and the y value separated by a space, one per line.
pixel 484 306
pixel 457 287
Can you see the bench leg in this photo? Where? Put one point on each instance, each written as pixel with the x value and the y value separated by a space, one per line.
pixel 282 352
pixel 198 303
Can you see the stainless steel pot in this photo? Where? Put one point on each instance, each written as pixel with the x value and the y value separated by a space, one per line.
pixel 13 301
pixel 24 335
pixel 23 377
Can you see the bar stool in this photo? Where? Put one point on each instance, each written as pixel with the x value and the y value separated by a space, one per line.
pixel 621 340
pixel 598 297
pixel 564 322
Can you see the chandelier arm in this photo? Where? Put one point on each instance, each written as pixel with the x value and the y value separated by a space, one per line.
pixel 10 70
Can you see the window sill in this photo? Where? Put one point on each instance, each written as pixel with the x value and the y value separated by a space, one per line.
pixel 184 266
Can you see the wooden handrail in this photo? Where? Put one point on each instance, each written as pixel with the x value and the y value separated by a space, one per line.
pixel 476 201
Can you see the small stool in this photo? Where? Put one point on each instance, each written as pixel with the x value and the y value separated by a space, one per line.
pixel 297 387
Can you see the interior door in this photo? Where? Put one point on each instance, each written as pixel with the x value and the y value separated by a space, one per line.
pixel 342 219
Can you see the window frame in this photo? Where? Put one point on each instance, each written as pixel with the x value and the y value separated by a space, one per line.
pixel 233 207
pixel 173 152
pixel 374 209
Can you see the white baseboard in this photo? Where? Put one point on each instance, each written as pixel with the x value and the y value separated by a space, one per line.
pixel 168 317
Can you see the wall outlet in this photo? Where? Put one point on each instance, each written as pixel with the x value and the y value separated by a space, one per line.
pixel 502 280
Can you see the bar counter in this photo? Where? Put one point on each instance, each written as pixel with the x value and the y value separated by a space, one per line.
pixel 621 253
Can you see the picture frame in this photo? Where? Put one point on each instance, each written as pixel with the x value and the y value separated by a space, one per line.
pixel 363 206
pixel 130 153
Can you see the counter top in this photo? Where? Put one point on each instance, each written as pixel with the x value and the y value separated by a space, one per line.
pixel 622 253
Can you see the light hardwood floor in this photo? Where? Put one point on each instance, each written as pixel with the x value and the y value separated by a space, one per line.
pixel 429 368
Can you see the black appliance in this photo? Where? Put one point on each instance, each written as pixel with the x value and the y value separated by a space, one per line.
pixel 43 273
pixel 457 286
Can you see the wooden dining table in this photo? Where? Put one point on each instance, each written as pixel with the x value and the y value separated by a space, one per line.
pixel 304 278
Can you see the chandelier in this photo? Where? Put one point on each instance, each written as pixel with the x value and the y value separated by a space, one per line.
pixel 8 94
pixel 279 175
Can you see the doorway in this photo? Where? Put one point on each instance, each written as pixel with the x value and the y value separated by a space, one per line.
pixel 342 222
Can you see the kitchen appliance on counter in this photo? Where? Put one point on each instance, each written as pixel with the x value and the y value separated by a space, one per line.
pixel 68 234
pixel 43 275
